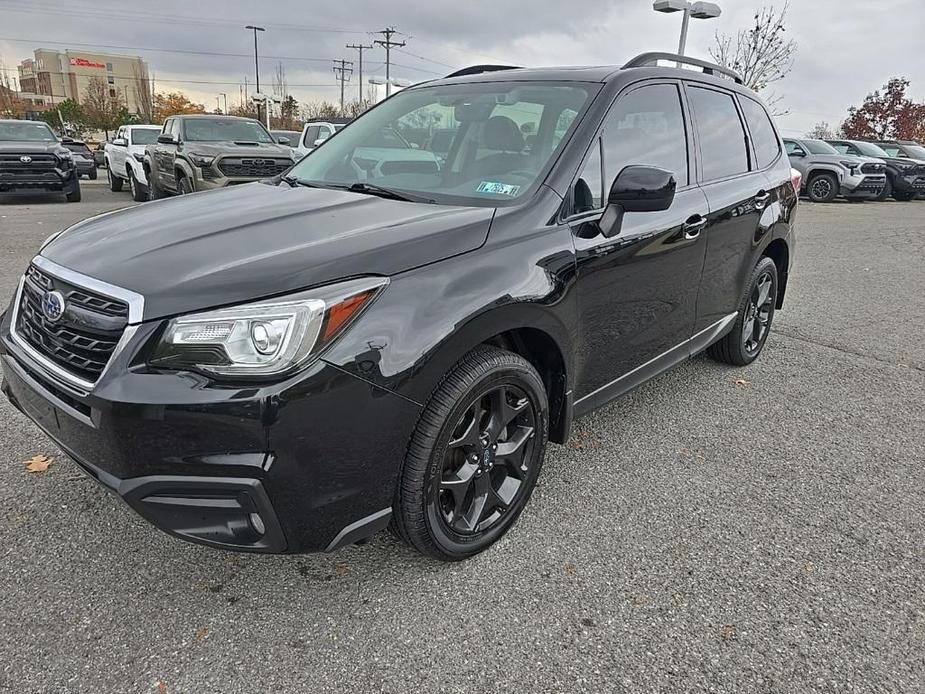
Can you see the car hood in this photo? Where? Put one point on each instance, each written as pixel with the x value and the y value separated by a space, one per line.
pixel 901 162
pixel 838 158
pixel 27 147
pixel 257 149
pixel 252 241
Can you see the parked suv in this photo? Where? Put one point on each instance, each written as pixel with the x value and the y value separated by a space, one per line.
pixel 32 158
pixel 82 156
pixel 291 367
pixel 905 178
pixel 827 173
pixel 125 157
pixel 205 152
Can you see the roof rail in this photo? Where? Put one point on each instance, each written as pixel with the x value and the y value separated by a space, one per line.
pixel 651 59
pixel 478 69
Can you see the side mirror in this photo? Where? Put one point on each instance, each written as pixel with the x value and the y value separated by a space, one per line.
pixel 120 142
pixel 166 139
pixel 319 141
pixel 283 140
pixel 798 153
pixel 637 189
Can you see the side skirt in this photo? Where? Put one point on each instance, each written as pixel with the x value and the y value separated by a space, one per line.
pixel 642 373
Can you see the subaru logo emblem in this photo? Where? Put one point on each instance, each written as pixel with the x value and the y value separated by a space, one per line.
pixel 53 305
pixel 25 159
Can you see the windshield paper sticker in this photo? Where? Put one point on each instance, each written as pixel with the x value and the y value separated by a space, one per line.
pixel 495 188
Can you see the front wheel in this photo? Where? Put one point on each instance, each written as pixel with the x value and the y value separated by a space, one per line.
pixel 474 457
pixel 92 175
pixel 74 195
pixel 115 183
pixel 903 197
pixel 886 192
pixel 155 192
pixel 753 323
pixel 139 194
pixel 822 187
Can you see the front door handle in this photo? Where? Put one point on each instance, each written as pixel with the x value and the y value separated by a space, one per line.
pixel 761 199
pixel 693 226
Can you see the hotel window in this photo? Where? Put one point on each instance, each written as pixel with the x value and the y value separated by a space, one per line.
pixel 109 67
pixel 111 79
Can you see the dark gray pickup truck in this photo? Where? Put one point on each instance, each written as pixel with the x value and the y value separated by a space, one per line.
pixel 32 159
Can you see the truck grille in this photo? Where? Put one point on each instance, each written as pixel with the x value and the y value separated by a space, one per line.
pixel 873 168
pixel 83 340
pixel 253 167
pixel 38 162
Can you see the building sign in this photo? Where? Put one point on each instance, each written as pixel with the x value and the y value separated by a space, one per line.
pixel 83 62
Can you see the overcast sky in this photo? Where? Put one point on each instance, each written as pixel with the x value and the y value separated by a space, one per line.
pixel 843 53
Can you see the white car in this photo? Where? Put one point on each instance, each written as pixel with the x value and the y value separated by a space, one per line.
pixel 313 134
pixel 125 158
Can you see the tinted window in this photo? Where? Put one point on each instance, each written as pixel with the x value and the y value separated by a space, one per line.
pixel 646 127
pixel 841 148
pixel 588 193
pixel 311 134
pixel 764 137
pixel 224 130
pixel 892 150
pixel 792 147
pixel 819 147
pixel 25 131
pixel 722 139
pixel 144 137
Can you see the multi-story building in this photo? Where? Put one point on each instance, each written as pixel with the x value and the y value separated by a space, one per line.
pixel 53 76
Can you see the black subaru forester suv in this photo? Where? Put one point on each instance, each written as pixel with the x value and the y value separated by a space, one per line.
pixel 378 339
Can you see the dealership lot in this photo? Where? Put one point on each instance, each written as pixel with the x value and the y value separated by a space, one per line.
pixel 755 529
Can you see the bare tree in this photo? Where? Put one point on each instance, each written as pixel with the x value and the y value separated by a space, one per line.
pixel 762 54
pixel 144 95
pixel 319 109
pixel 821 131
pixel 280 85
pixel 103 107
pixel 11 105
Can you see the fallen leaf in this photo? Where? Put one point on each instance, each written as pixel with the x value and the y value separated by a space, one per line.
pixel 38 463
pixel 341 569
pixel 570 569
pixel 161 687
pixel 201 633
pixel 728 631
pixel 742 382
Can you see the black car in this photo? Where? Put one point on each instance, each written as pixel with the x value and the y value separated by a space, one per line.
pixel 905 178
pixel 32 159
pixel 292 365
pixel 83 157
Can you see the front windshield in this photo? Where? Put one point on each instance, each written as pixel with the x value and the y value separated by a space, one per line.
pixel 913 151
pixel 26 131
pixel 819 147
pixel 224 130
pixel 870 150
pixel 471 144
pixel 146 136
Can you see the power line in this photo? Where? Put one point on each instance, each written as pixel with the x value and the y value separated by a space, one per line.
pixel 426 60
pixel 388 44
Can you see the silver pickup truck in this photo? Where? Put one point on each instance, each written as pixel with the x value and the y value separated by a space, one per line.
pixel 828 174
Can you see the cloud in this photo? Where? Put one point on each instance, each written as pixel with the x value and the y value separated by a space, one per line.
pixel 843 53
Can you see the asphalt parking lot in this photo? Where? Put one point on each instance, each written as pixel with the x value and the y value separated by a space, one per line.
pixel 724 530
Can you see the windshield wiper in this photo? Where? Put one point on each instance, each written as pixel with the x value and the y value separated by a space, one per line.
pixel 372 189
pixel 294 181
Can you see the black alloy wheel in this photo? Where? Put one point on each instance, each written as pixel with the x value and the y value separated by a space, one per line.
pixel 758 312
pixel 486 461
pixel 474 457
pixel 823 187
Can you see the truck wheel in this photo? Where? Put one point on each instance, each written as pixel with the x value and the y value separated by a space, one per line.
pixel 73 196
pixel 822 187
pixel 115 183
pixel 154 190
pixel 184 185
pixel 474 457
pixel 756 311
pixel 92 175
pixel 139 194
pixel 886 192
pixel 903 197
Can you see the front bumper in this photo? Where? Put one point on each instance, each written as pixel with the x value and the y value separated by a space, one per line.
pixel 304 465
pixel 864 186
pixel 40 179
pixel 913 183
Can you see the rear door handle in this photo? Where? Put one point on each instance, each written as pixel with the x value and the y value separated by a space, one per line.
pixel 761 199
pixel 693 226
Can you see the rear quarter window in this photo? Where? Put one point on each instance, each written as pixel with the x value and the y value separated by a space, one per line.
pixel 722 138
pixel 764 138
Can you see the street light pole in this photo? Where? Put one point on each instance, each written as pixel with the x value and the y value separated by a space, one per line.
pixel 697 10
pixel 225 100
pixel 256 62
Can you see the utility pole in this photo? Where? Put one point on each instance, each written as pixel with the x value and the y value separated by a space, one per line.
pixel 360 47
pixel 256 63
pixel 388 44
pixel 225 99
pixel 342 72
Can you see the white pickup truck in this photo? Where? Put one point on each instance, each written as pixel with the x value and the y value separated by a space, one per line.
pixel 314 133
pixel 125 156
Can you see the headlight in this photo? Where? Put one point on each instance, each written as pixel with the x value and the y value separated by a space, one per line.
pixel 139 157
pixel 201 159
pixel 851 165
pixel 266 338
pixel 66 154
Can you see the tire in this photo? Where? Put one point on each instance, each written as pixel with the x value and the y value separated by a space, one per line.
pixel 154 190
pixel 184 185
pixel 886 192
pixel 430 511
pixel 115 183
pixel 73 196
pixel 903 197
pixel 734 348
pixel 92 175
pixel 139 194
pixel 822 187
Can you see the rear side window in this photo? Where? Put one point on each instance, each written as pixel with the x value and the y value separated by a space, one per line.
pixel 764 137
pixel 722 139
pixel 646 127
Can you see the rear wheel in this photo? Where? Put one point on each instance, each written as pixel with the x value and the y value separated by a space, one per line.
pixel 92 175
pixel 753 323
pixel 115 183
pixel 474 457
pixel 139 194
pixel 822 187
